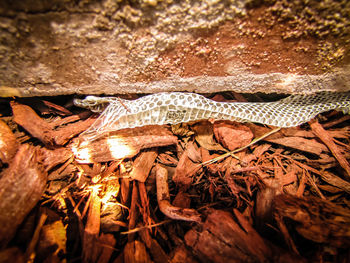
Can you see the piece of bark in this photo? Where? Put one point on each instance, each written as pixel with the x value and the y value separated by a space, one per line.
pixel 264 205
pixel 207 159
pixel 54 108
pixel 287 237
pixel 51 158
pixel 232 135
pixel 327 177
pixel 122 144
pixel 111 211
pixel 336 181
pixel 64 171
pixel 315 219
pixel 163 198
pixel 182 254
pixel 167 159
pixel 26 117
pixel 91 246
pixel 193 152
pixel 44 107
pixel 157 253
pixel 8 143
pixel 294 132
pixel 144 208
pixel 124 190
pixel 42 130
pixel 62 135
pixel 133 212
pixel 111 217
pixel 70 119
pixel 234 187
pixel 106 243
pixel 301 144
pixel 21 186
pixel 135 252
pixel 143 165
pixel 336 121
pixel 222 239
pixel 182 200
pixel 295 138
pixel 186 169
pixel 327 139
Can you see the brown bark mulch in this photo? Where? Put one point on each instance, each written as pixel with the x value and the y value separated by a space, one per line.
pixel 198 192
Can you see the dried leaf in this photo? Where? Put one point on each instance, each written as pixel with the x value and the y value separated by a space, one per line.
pixel 205 136
pixel 185 170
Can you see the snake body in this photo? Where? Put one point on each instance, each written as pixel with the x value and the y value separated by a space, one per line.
pixel 177 107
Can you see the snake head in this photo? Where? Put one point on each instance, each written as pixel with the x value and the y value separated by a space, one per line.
pixel 93 103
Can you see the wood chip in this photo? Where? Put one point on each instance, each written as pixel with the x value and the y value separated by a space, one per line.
pixel 124 144
pixel 232 135
pixel 229 241
pixel 318 220
pixel 26 117
pixel 42 130
pixel 143 165
pixel 301 144
pixel 8 143
pixel 185 170
pixel 21 186
pixel 92 230
pixel 327 139
pixel 135 251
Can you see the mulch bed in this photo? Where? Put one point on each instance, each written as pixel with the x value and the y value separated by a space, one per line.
pixel 197 192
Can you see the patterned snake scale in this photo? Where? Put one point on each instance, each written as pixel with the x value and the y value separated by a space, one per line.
pixel 177 107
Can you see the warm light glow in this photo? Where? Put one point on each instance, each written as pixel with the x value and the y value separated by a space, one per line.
pixel 96 179
pixel 82 152
pixel 94 188
pixel 108 195
pixel 118 147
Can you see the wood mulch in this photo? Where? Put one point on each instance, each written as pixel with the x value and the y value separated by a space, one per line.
pixel 199 192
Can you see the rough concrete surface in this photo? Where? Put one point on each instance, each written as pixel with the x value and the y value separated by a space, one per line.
pixel 145 46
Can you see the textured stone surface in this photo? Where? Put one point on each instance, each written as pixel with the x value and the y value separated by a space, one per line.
pixel 119 47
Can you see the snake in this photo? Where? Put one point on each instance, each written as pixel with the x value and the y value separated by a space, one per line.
pixel 180 107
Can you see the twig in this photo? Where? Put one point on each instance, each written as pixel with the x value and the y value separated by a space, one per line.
pixel 163 197
pixel 327 139
pixel 223 156
pixel 145 227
